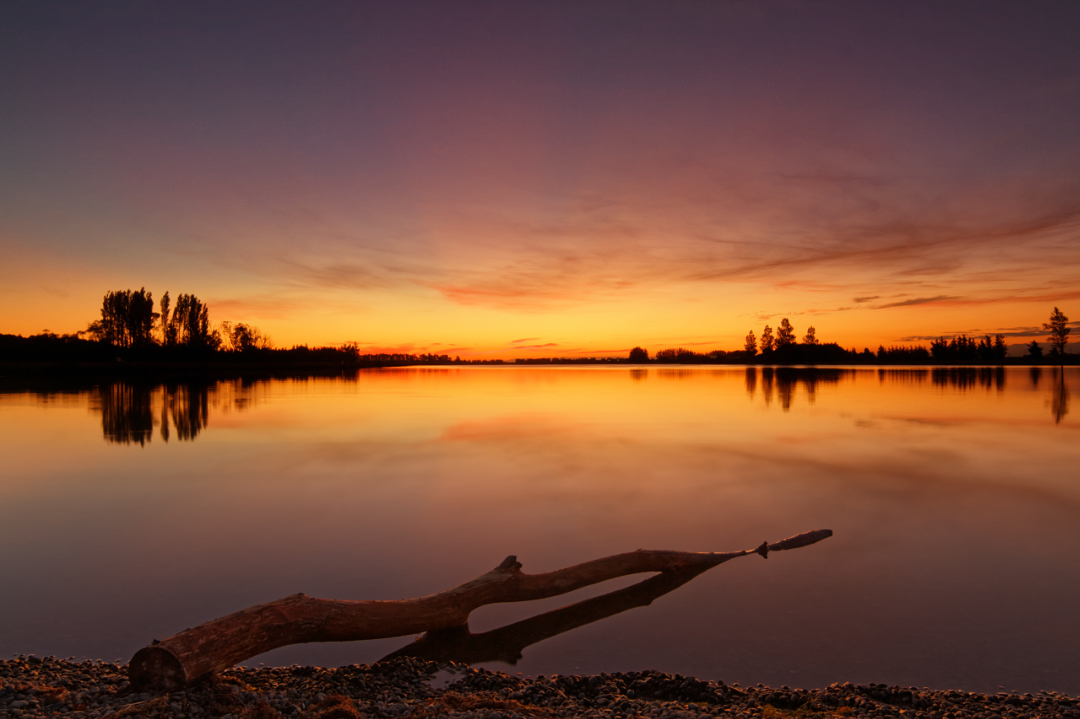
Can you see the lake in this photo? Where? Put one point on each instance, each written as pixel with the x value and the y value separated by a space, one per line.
pixel 130 511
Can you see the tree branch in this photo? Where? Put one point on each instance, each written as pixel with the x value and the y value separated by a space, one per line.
pixel 219 644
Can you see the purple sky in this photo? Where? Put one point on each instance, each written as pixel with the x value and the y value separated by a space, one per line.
pixel 594 175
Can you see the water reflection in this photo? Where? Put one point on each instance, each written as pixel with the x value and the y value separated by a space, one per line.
pixel 506 644
pixel 960 517
pixel 965 378
pixel 1059 398
pixel 903 375
pixel 677 373
pixel 782 382
pixel 188 406
pixel 128 413
pixel 767 384
pixel 135 412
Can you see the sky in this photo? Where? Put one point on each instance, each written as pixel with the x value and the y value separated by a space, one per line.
pixel 494 179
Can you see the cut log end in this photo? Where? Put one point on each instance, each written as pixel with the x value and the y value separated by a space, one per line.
pixel 156 668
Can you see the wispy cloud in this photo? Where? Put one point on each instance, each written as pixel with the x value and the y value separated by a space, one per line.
pixel 413 348
pixel 948 251
pixel 1035 331
pixel 544 346
pixel 829 231
pixel 918 301
pixel 261 306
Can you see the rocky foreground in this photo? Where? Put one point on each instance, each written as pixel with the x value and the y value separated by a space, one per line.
pixel 406 688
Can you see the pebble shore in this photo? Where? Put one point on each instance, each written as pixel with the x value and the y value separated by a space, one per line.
pixel 411 688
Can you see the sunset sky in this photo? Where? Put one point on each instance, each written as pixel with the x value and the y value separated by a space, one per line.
pixel 506 179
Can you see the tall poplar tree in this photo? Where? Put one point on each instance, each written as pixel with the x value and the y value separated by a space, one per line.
pixel 766 340
pixel 785 334
pixel 1059 330
pixel 751 344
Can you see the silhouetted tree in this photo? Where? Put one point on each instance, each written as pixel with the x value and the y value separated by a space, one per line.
pixel 767 341
pixel 811 337
pixel 960 349
pixel 127 318
pixel 751 344
pixel 140 319
pixel 1034 350
pixel 1001 350
pixel 900 353
pixel 639 354
pixel 168 338
pixel 191 323
pixel 785 334
pixel 244 338
pixel 255 337
pixel 1059 330
pixel 679 354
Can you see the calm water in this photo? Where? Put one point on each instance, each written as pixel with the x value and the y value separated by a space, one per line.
pixel 128 513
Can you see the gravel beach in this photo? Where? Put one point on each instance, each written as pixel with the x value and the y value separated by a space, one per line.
pixel 50 687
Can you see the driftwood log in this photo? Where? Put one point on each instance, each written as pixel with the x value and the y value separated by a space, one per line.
pixel 219 644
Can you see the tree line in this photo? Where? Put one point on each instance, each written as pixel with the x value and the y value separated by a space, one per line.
pixel 782 347
pixel 128 320
pixel 130 328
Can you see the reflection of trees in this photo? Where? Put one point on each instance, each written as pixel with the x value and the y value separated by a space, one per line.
pixel 677 373
pixel 785 388
pixel 783 382
pixel 965 378
pixel 1059 397
pixel 188 406
pixel 1036 375
pixel 904 375
pixel 126 413
pixel 132 409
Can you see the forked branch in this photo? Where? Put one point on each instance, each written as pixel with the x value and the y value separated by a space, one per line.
pixel 219 644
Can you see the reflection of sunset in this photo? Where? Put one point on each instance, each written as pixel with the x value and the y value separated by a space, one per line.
pixel 402 482
pixel 446 471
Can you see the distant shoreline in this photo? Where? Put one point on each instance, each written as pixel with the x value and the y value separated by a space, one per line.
pixel 240 366
pixel 212 371
pixel 67 356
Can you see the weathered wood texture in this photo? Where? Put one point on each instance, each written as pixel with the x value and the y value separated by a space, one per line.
pixel 219 644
